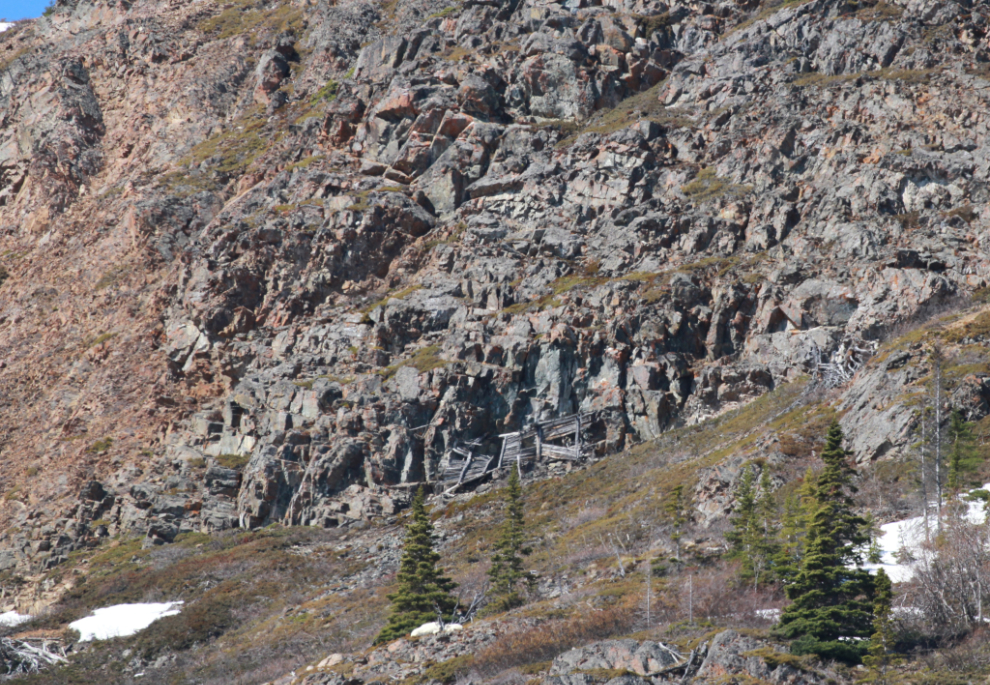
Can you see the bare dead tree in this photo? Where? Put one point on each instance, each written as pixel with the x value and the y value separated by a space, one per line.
pixel 924 474
pixel 937 381
pixel 22 657
pixel 952 578
pixel 618 553
pixel 457 615
pixel 842 364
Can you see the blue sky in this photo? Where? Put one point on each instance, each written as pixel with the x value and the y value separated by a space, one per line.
pixel 12 10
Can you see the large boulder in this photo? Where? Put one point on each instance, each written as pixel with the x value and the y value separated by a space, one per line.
pixel 642 658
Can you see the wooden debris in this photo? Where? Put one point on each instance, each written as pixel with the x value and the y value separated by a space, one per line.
pixel 553 440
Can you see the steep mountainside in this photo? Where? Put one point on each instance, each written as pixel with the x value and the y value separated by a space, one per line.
pixel 269 262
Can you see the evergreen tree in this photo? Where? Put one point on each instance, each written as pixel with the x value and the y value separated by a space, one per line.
pixel 752 534
pixel 766 507
pixel 963 457
pixel 768 520
pixel 422 586
pixel 830 600
pixel 881 642
pixel 743 515
pixel 798 509
pixel 875 553
pixel 506 573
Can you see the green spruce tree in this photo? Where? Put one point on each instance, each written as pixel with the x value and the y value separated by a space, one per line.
pixel 423 588
pixel 879 659
pixel 963 457
pixel 752 537
pixel 768 521
pixel 507 574
pixel 743 516
pixel 830 600
pixel 798 510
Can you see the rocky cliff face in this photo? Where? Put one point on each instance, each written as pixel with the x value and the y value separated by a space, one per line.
pixel 270 262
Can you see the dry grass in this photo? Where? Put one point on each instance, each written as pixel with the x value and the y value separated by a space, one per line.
pixel 250 602
pixel 253 602
pixel 879 11
pixel 236 148
pixel 973 327
pixel 645 105
pixel 708 185
pixel 543 642
pixel 424 360
pixel 397 295
pixel 765 11
pixel 233 461
pixel 912 76
pixel 559 287
pixel 249 17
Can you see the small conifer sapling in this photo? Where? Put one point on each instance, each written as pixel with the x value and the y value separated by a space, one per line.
pixel 423 588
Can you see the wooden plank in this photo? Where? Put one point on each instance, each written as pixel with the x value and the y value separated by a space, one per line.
pixel 557 452
pixel 467 465
pixel 557 422
pixel 577 434
pixel 510 446
pixel 528 454
pixel 471 478
pixel 511 454
pixel 522 435
pixel 558 433
pixel 480 470
pixel 563 428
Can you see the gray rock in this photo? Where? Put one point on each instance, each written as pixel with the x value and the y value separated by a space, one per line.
pixel 646 658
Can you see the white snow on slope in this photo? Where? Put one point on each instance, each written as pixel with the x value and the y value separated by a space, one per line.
pixel 4 26
pixel 769 614
pixel 122 620
pixel 12 618
pixel 908 536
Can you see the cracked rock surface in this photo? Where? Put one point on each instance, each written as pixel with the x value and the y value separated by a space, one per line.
pixel 271 262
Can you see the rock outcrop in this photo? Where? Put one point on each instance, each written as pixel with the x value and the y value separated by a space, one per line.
pixel 726 657
pixel 271 262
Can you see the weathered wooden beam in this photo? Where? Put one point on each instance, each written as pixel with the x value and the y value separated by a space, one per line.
pixel 559 432
pixel 467 464
pixel 558 452
pixel 477 473
pixel 577 434
pixel 526 452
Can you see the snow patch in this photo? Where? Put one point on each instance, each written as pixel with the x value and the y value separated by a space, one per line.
pixel 122 620
pixel 12 618
pixel 3 27
pixel 901 542
pixel 768 614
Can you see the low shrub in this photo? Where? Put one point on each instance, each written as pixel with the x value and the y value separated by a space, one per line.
pixel 543 642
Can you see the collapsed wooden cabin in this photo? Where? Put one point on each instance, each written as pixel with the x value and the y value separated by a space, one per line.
pixel 553 440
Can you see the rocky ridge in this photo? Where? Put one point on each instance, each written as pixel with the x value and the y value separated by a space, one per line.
pixel 269 263
pixel 726 656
